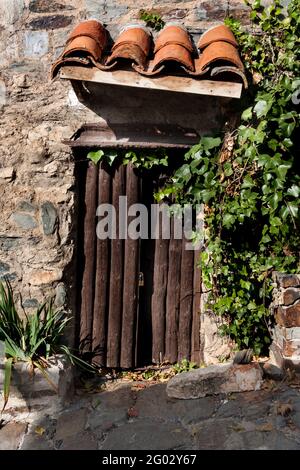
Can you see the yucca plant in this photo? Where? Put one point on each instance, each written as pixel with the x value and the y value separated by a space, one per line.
pixel 32 339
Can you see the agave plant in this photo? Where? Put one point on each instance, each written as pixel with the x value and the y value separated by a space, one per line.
pixel 32 339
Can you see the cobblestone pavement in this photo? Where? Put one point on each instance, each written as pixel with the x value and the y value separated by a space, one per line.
pixel 137 416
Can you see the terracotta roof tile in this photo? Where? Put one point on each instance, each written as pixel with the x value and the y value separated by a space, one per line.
pixel 217 33
pixel 172 34
pixel 218 53
pixel 132 44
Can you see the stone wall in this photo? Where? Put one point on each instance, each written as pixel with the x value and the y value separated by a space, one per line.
pixel 37 183
pixel 285 348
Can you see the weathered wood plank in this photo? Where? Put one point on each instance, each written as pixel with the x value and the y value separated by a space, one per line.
pixel 173 298
pixel 186 302
pixel 172 83
pixel 87 290
pixel 131 272
pixel 196 323
pixel 158 303
pixel 116 278
pixel 102 276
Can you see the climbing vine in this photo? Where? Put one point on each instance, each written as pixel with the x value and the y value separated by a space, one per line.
pixel 248 179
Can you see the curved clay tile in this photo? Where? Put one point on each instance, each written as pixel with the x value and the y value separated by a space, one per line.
pixel 226 72
pixel 173 53
pixel 221 52
pixel 217 33
pixel 91 28
pixel 88 40
pixel 172 34
pixel 132 44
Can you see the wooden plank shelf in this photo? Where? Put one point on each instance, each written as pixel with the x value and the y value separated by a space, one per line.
pixel 178 84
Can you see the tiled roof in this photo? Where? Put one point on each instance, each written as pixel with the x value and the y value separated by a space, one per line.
pixel 172 53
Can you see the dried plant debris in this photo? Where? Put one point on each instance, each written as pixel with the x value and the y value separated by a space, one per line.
pixel 244 356
pixel 284 409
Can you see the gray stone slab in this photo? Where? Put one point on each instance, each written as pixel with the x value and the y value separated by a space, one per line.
pixel 11 435
pixel 145 434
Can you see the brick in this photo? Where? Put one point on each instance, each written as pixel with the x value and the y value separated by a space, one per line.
pixel 290 295
pixel 288 316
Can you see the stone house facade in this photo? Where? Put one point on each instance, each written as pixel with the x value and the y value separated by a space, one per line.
pixel 37 179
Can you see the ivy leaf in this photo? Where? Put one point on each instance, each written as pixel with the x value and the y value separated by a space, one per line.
pixel 209 143
pixel 261 108
pixel 111 156
pixel 294 191
pixel 95 157
pixel 247 114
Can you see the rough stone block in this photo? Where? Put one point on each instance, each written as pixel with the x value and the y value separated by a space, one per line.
pixel 288 316
pixel 50 22
pixel 11 435
pixel 45 277
pixel 35 390
pixel 271 371
pixel 36 44
pixel 24 221
pixel 7 173
pixel 283 362
pixel 220 378
pixel 290 295
pixel 291 348
pixel 44 6
pixel 49 218
pixel 286 280
pixel 3 94
pixel 11 11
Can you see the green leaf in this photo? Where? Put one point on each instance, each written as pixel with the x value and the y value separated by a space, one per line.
pixel 95 157
pixel 7 380
pixel 294 191
pixel 247 114
pixel 261 108
pixel 209 143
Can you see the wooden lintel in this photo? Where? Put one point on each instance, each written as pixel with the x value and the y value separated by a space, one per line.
pixel 172 83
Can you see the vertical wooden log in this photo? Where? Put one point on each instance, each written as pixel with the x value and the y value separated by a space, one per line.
pixel 196 323
pixel 102 276
pixel 131 280
pixel 186 302
pixel 87 290
pixel 116 277
pixel 173 298
pixel 158 303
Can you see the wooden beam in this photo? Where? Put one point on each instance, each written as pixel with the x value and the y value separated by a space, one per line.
pixel 102 276
pixel 172 83
pixel 130 283
pixel 186 302
pixel 116 277
pixel 173 298
pixel 87 291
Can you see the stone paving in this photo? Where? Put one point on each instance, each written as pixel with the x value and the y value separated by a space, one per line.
pixel 133 416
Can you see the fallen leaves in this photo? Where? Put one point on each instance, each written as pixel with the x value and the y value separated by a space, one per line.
pixel 132 412
pixel 284 409
pixel 40 431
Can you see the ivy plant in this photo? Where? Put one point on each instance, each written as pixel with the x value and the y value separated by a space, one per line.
pixel 249 179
